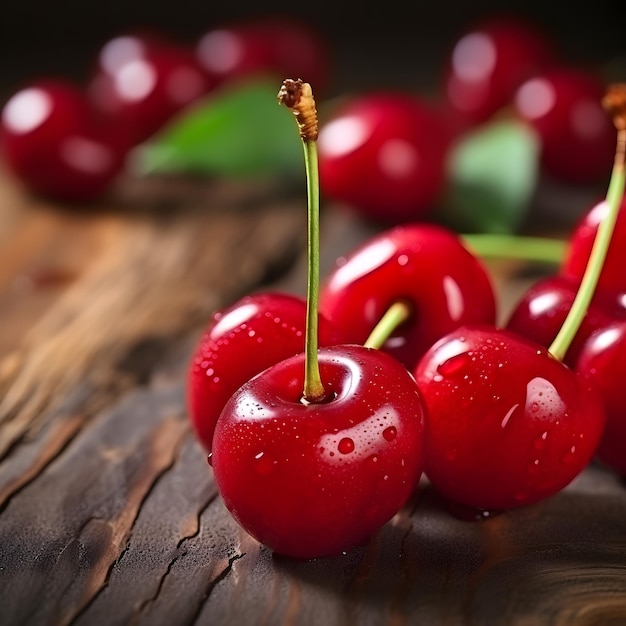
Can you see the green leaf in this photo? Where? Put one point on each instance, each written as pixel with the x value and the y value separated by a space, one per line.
pixel 239 130
pixel 492 176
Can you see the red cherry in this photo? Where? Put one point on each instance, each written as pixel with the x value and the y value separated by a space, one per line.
pixel 313 480
pixel 285 46
pixel 425 266
pixel 55 143
pixel 613 277
pixel 489 62
pixel 143 81
pixel 602 362
pixel 507 424
pixel 564 107
pixel 543 307
pixel 384 154
pixel 240 341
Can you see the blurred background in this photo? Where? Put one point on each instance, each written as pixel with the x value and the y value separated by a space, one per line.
pixel 386 43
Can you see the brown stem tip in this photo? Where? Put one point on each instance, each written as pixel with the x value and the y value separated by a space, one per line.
pixel 614 103
pixel 298 96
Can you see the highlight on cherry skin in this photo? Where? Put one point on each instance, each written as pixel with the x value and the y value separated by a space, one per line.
pixel 580 242
pixel 563 105
pixel 56 144
pixel 542 308
pixel 508 424
pixel 488 62
pixel 602 361
pixel 240 341
pixel 384 155
pixel 316 479
pixel 424 265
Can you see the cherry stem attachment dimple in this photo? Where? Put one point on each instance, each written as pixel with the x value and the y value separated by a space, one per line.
pixel 298 96
pixel 615 103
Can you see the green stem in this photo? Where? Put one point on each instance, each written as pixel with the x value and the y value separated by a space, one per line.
pixel 313 387
pixel 539 249
pixel 395 315
pixel 599 250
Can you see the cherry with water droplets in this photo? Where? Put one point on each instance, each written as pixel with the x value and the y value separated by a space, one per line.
pixel 543 307
pixel 240 341
pixel 318 479
pixel 425 266
pixel 580 243
pixel 602 361
pixel 507 424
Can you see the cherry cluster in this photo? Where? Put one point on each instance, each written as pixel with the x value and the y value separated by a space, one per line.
pixel 70 141
pixel 321 415
pixel 386 153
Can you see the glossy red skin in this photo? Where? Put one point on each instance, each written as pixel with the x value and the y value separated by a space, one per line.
pixel 147 85
pixel 613 277
pixel 602 362
pixel 240 341
pixel 577 135
pixel 384 155
pixel 485 82
pixel 316 480
pixel 55 143
pixel 542 309
pixel 507 424
pixel 284 46
pixel 424 265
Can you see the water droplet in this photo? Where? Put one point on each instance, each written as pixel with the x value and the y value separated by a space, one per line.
pixel 540 441
pixel 264 463
pixel 346 445
pixel 210 372
pixel 454 365
pixel 570 455
pixel 403 259
pixel 390 433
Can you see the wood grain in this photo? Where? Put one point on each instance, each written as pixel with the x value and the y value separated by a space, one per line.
pixel 108 510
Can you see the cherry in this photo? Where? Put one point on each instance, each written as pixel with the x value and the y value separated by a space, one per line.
pixel 563 105
pixel 602 361
pixel 142 81
pixel 425 266
pixel 315 479
pixel 56 144
pixel 507 424
pixel 580 244
pixel 314 454
pixel 384 155
pixel 487 64
pixel 543 307
pixel 240 341
pixel 276 44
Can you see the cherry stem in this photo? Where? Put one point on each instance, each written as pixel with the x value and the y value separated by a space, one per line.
pixel 396 314
pixel 298 96
pixel 538 249
pixel 599 250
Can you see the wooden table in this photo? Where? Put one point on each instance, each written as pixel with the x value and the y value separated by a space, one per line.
pixel 108 510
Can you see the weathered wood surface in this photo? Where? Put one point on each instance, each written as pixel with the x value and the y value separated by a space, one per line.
pixel 108 510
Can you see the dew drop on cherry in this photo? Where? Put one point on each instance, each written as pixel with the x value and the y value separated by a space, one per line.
pixel 346 445
pixel 390 433
pixel 455 365
pixel 264 463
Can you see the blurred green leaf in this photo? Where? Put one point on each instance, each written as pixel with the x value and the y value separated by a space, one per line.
pixel 239 130
pixel 492 176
